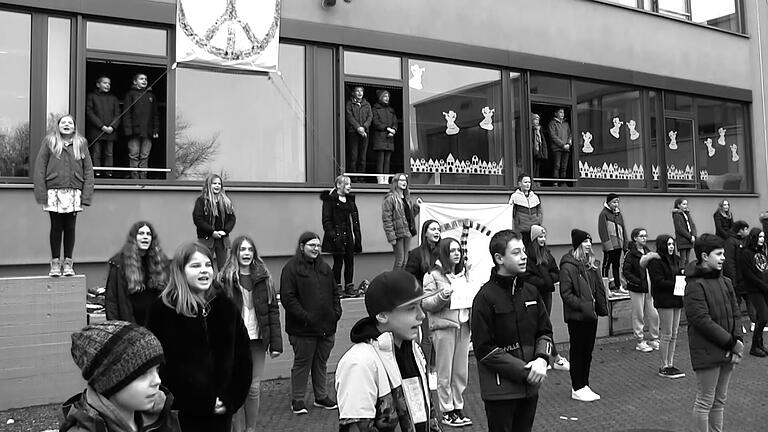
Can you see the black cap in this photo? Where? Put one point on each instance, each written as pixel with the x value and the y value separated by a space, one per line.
pixel 578 236
pixel 610 197
pixel 391 290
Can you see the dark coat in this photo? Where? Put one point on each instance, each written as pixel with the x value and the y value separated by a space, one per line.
pixel 751 267
pixel 582 291
pixel 206 356
pixel 633 272
pixel 712 313
pixel 267 314
pixel 510 327
pixel 610 227
pixel 358 114
pixel 142 118
pixel 117 298
pixel 383 117
pixel 341 224
pixel 683 236
pixel 81 416
pixel 543 276
pixel 65 171
pixel 310 297
pixel 101 109
pixel 663 272
pixel 206 223
pixel 723 226
pixel 733 248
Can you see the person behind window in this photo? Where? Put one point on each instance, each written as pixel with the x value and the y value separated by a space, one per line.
pixel 312 310
pixel 724 220
pixel 249 284
pixel 384 129
pixel 398 214
pixel 141 123
pixel 751 267
pixel 102 110
pixel 341 226
pixel 539 145
pixel 526 208
pixel 63 185
pixel 359 117
pixel 214 218
pixel 561 141
pixel 685 229
pixel 136 276
pixel 610 226
pixel 636 274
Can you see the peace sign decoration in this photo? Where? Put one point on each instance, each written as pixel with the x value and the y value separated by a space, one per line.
pixel 242 34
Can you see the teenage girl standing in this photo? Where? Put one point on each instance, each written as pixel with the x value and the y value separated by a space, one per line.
pixel 214 217
pixel 663 273
pixel 63 185
pixel 685 229
pixel 398 215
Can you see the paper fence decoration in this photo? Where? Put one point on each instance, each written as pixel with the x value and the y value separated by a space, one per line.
pixel 721 140
pixel 416 72
pixel 450 165
pixel 616 127
pixel 734 155
pixel 611 171
pixel 710 148
pixel 487 122
pixel 672 140
pixel 450 123
pixel 587 146
pixel 633 134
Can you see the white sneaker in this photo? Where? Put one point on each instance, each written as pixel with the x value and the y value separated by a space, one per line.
pixel 643 347
pixel 752 327
pixel 584 394
pixel 595 395
pixel 654 344
pixel 562 364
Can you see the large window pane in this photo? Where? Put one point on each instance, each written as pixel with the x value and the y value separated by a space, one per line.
pixel 723 143
pixel 123 38
pixel 372 65
pixel 57 71
pixel 715 13
pixel 680 153
pixel 456 125
pixel 15 47
pixel 678 8
pixel 245 127
pixel 547 85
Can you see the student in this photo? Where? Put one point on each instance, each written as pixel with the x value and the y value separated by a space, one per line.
pixel 733 248
pixel 120 361
pixel 312 305
pixel 584 300
pixel 561 141
pixel 449 330
pixel 724 220
pixel 384 130
pixel 685 229
pixel 539 146
pixel 381 380
pixel 341 226
pixel 663 272
pixel 398 216
pixel 421 258
pixel 102 110
pixel 526 208
pixel 359 117
pixel 610 226
pixel 249 284
pixel 751 267
pixel 214 218
pixel 136 276
pixel 63 185
pixel 512 348
pixel 541 271
pixel 634 271
pixel 141 123
pixel 713 339
pixel 208 363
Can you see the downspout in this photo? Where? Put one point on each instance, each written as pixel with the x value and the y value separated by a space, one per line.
pixel 762 83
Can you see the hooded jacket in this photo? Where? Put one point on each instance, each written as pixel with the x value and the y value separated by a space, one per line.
pixel 543 276
pixel 634 269
pixel 723 225
pixel 101 109
pixel 559 134
pixel 417 265
pixel 311 299
pixel 393 217
pixel 733 249
pixel 142 118
pixel 610 226
pixel 383 117
pixel 65 171
pixel 438 309
pixel 117 298
pixel 510 327
pixel 206 223
pixel 663 272
pixel 267 313
pixel 358 114
pixel 685 229
pixel 526 210
pixel 582 291
pixel 341 224
pixel 751 268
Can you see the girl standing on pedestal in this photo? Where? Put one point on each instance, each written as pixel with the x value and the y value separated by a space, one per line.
pixel 214 218
pixel 398 214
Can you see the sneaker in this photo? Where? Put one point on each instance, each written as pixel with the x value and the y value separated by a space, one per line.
pixel 643 347
pixel 326 403
pixel 654 344
pixel 451 419
pixel 757 352
pixel 298 407
pixel 55 270
pixel 752 327
pixel 66 268
pixel 674 372
pixel 562 364
pixel 465 421
pixel 664 371
pixel 592 392
pixel 584 395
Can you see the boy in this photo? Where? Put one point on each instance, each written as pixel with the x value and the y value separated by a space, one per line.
pixel 381 380
pixel 141 123
pixel 512 338
pixel 103 112
pixel 120 361
pixel 359 118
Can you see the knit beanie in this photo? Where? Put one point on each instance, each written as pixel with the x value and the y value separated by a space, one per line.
pixel 112 354
pixel 577 237
pixel 536 231
pixel 380 92
pixel 610 197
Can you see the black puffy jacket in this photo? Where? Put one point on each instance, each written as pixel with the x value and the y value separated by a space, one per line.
pixel 341 224
pixel 310 297
pixel 663 272
pixel 582 291
pixel 634 271
pixel 543 276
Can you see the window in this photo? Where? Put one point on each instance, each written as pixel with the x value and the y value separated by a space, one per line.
pixel 679 150
pixel 723 14
pixel 15 53
pixel 723 155
pixel 245 127
pixel 456 124
pixel 548 85
pixel 123 38
pixel 372 65
pixel 57 72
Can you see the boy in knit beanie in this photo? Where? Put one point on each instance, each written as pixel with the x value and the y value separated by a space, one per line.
pixel 120 361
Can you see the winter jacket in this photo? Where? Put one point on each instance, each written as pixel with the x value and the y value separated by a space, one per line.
pixel 526 210
pixel 358 114
pixel 582 291
pixel 543 276
pixel 663 272
pixel 510 327
pixel 610 226
pixel 393 217
pixel 267 313
pixel 416 265
pixel 733 248
pixel 91 412
pixel 369 384
pixel 101 109
pixel 723 225
pixel 541 141
pixel 206 356
pixel 65 171
pixel 683 231
pixel 634 270
pixel 383 117
pixel 117 297
pixel 751 267
pixel 142 118
pixel 712 314
pixel 206 223
pixel 341 224
pixel 559 135
pixel 438 309
pixel 310 297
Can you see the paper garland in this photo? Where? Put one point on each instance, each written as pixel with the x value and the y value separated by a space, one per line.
pixel 450 165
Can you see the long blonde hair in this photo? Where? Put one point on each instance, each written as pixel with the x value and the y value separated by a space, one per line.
pixel 584 257
pixel 55 141
pixel 177 294
pixel 216 203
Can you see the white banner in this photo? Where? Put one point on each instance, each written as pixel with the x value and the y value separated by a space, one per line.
pixel 242 34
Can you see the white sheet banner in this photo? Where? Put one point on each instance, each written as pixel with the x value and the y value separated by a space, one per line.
pixel 242 34
pixel 474 224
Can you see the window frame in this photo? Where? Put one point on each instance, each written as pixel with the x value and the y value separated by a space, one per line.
pixel 652 7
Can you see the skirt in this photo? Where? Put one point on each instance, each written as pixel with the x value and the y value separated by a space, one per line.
pixel 64 200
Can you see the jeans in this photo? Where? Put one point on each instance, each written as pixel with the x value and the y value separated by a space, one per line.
pixel 357 146
pixel 246 416
pixel 62 224
pixel 401 248
pixel 582 338
pixel 669 323
pixel 138 153
pixel 310 355
pixel 560 163
pixel 451 346
pixel 644 313
pixel 512 415
pixel 712 389
pixel 612 260
pixel 345 261
pixel 685 255
pixel 102 148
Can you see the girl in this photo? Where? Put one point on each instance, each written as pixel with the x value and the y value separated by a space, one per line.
pixel 610 226
pixel 341 224
pixel 724 220
pixel 583 294
pixel 450 331
pixel 663 272
pixel 643 312
pixel 207 360
pixel 384 130
pixel 248 283
pixel 542 272
pixel 685 229
pixel 63 185
pixel 752 265
pixel 214 217
pixel 136 276
pixel 398 214
pixel 422 258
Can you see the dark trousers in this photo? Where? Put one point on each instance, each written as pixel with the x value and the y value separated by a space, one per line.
pixel 219 253
pixel 195 422
pixel 547 297
pixel 102 153
pixel 582 338
pixel 760 304
pixel 526 238
pixel 511 415
pixel 560 160
pixel 310 354
pixel 612 261
pixel 357 149
pixel 62 225
pixel 382 161
pixel 750 310
pixel 347 261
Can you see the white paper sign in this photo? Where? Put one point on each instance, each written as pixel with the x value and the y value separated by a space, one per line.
pixel 680 285
pixel 414 397
pixel 463 293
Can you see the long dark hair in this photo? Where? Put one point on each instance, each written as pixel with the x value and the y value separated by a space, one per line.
pixel 752 239
pixel 662 249
pixel 442 253
pixel 157 262
pixel 425 248
pixel 229 276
